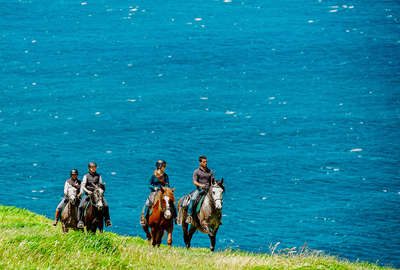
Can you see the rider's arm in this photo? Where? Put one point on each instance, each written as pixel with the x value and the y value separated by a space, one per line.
pixel 151 186
pixel 166 179
pixel 83 186
pixel 100 180
pixel 66 188
pixel 195 177
pixel 212 177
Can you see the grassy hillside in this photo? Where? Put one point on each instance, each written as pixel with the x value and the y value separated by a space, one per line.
pixel 28 241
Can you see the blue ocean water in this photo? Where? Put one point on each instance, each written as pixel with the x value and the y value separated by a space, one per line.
pixel 295 104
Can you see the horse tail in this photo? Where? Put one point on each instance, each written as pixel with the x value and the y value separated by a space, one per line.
pixel 179 218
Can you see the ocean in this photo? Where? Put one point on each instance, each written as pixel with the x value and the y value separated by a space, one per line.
pixel 294 103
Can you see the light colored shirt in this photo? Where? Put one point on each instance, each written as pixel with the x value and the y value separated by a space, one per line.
pixel 84 181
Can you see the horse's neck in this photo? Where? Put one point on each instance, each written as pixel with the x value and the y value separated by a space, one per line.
pixel 208 204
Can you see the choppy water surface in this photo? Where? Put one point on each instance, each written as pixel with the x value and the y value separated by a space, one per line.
pixel 295 104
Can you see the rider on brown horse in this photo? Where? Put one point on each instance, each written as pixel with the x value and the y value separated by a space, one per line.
pixel 89 181
pixel 202 179
pixel 73 181
pixel 157 180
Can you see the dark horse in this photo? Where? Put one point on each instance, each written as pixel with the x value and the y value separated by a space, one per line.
pixel 94 217
pixel 208 219
pixel 161 218
pixel 69 217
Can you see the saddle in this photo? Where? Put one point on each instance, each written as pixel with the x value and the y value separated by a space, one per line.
pixel 186 201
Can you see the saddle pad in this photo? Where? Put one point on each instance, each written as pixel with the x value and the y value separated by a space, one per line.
pixel 200 203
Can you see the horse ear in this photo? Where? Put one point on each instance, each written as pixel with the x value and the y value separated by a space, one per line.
pixel 222 181
pixel 162 189
pixel 173 189
pixel 213 182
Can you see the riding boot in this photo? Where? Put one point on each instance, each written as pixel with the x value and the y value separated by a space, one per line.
pixel 57 217
pixel 190 212
pixel 145 216
pixel 107 216
pixel 80 216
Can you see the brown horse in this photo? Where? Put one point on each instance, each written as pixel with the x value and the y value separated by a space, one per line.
pixel 161 218
pixel 208 219
pixel 69 217
pixel 94 218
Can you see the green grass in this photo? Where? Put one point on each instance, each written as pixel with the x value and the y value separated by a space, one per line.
pixel 28 241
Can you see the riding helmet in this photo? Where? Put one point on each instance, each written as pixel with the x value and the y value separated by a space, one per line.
pixel 92 164
pixel 161 163
pixel 74 171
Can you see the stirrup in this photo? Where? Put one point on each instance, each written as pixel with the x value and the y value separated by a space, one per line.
pixel 108 223
pixel 80 224
pixel 55 222
pixel 189 219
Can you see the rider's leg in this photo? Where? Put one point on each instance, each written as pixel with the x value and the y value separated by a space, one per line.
pixel 59 208
pixel 81 209
pixel 106 213
pixel 193 200
pixel 147 205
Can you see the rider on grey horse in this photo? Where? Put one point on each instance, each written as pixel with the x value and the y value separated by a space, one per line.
pixel 71 182
pixel 202 179
pixel 157 180
pixel 89 182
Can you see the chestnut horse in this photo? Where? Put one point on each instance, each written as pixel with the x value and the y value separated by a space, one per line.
pixel 94 217
pixel 69 217
pixel 161 218
pixel 208 219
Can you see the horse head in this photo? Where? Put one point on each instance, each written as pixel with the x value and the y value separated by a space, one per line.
pixel 217 190
pixel 72 195
pixel 97 197
pixel 167 201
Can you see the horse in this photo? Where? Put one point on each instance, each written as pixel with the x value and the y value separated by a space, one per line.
pixel 69 217
pixel 94 217
pixel 208 219
pixel 161 218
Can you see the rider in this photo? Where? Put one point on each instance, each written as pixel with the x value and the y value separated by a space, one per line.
pixel 157 180
pixel 73 181
pixel 202 179
pixel 89 181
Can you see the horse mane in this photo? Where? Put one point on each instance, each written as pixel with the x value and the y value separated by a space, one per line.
pixel 157 200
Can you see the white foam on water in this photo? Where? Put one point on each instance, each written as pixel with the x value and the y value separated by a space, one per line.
pixel 34 164
pixel 333 10
pixel 132 100
pixel 204 98
pixel 271 98
pixel 227 1
pixel 356 150
pixel 97 113
pixel 41 191
pixel 264 198
pixel 310 21
pixel 84 3
pixel 262 134
pixel 229 112
pixel 113 173
pixel 34 41
pixel 198 19
pixel 34 191
pixel 108 151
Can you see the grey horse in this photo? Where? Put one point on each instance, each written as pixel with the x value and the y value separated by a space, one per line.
pixel 208 219
pixel 69 217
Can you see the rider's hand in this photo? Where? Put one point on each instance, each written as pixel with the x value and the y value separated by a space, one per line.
pixel 80 194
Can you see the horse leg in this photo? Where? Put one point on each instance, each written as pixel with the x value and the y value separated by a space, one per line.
pixel 212 234
pixel 185 234
pixel 159 237
pixel 148 235
pixel 169 231
pixel 153 236
pixel 190 234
